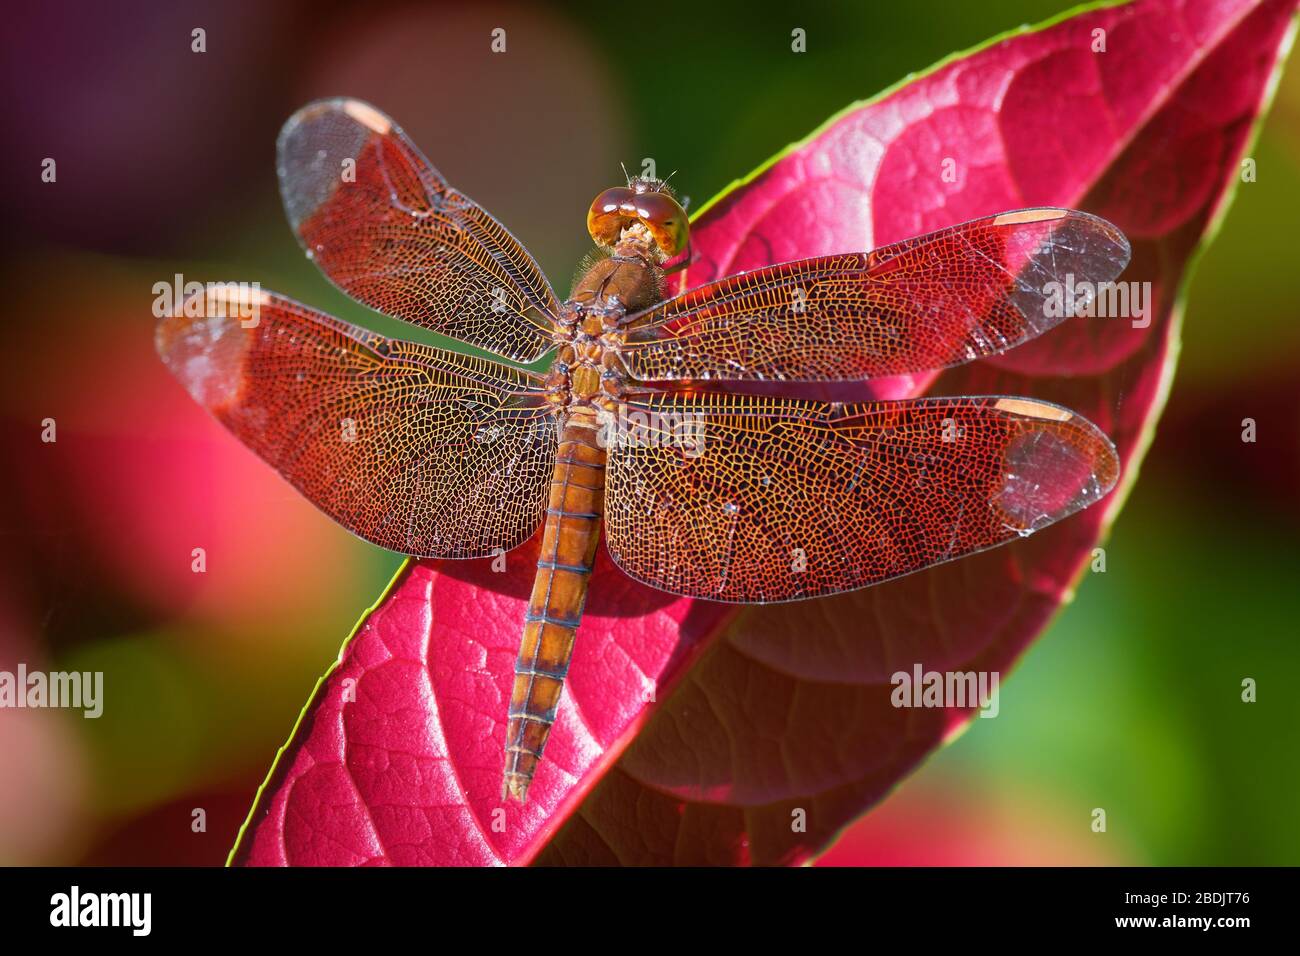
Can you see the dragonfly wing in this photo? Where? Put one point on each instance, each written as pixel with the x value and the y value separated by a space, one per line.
pixel 754 500
pixel 388 230
pixel 413 448
pixel 931 302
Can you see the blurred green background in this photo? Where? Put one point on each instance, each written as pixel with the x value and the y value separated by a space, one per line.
pixel 166 164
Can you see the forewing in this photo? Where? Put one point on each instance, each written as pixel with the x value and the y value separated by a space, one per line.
pixel 931 302
pixel 388 230
pixel 415 449
pixel 753 499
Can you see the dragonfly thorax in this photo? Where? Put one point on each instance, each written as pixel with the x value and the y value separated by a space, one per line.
pixel 587 369
pixel 590 327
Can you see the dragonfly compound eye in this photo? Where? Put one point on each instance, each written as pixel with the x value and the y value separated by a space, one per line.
pixel 610 212
pixel 666 221
pixel 617 208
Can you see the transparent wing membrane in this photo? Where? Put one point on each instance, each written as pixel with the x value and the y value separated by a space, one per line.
pixel 388 230
pixel 931 302
pixel 415 449
pixel 753 499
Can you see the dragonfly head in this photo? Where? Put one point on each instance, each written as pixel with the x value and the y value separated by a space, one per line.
pixel 645 202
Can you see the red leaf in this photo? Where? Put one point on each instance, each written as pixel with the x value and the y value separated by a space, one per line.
pixel 790 709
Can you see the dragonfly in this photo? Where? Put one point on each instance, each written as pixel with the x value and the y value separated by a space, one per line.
pixel 640 427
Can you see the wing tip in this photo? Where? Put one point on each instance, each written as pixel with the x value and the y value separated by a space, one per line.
pixel 203 342
pixel 1112 234
pixel 1055 471
pixel 306 182
pixel 1100 225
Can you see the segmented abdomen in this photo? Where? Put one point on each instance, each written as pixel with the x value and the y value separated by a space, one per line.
pixel 569 541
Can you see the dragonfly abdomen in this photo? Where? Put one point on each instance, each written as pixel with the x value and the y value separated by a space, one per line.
pixel 569 540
